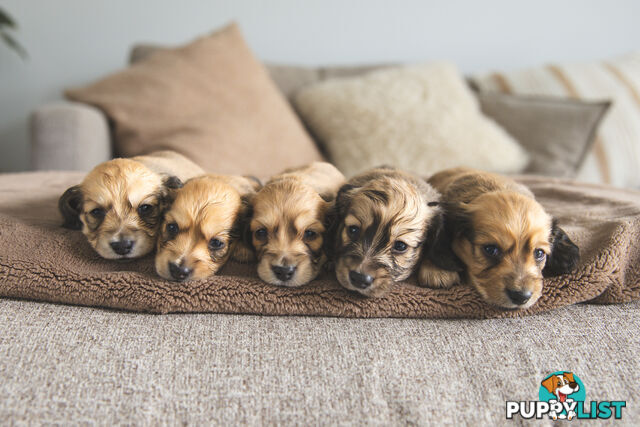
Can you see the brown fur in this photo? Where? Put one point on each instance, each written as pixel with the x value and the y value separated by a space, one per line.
pixel 106 206
pixel 207 211
pixel 289 221
pixel 386 206
pixel 484 211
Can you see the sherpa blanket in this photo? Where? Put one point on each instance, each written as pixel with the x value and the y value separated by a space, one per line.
pixel 40 260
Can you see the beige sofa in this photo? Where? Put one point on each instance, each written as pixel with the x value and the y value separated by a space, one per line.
pixel 73 365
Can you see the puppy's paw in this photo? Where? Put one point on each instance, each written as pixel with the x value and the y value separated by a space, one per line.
pixel 433 277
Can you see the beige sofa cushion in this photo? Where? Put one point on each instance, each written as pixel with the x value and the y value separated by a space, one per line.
pixel 615 155
pixel 210 100
pixel 422 118
pixel 556 132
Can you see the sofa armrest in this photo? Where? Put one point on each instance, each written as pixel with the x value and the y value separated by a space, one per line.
pixel 69 136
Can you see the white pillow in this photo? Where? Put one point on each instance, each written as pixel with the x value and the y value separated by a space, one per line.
pixel 421 118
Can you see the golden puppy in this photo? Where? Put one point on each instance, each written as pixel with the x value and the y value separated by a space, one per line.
pixel 120 203
pixel 384 219
pixel 290 215
pixel 202 228
pixel 497 237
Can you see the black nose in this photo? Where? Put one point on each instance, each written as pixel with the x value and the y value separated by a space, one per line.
pixel 284 272
pixel 122 247
pixel 519 297
pixel 360 280
pixel 178 272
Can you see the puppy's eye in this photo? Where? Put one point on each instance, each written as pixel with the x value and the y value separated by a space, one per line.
pixel 539 254
pixel 145 209
pixel 261 233
pixel 172 228
pixel 353 231
pixel 310 234
pixel 216 244
pixel 98 213
pixel 491 251
pixel 400 246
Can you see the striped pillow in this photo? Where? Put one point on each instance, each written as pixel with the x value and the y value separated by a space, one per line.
pixel 615 156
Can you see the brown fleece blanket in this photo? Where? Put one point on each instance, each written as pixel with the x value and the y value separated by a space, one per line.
pixel 39 260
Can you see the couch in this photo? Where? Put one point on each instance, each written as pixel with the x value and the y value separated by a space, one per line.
pixel 76 365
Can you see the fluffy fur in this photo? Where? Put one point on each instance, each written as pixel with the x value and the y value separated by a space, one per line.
pixel 384 218
pixel 120 203
pixel 202 228
pixel 290 217
pixel 497 238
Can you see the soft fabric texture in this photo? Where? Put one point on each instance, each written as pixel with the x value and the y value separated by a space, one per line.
pixel 210 100
pixel 422 118
pixel 615 156
pixel 557 133
pixel 39 260
pixel 69 365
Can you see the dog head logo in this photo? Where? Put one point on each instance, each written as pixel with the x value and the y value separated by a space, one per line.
pixel 564 388
pixel 561 385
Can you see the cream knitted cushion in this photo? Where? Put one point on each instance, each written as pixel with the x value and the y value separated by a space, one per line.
pixel 422 118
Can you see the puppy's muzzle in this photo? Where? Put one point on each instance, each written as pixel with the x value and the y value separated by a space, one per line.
pixel 284 273
pixel 178 272
pixel 519 297
pixel 122 246
pixel 359 280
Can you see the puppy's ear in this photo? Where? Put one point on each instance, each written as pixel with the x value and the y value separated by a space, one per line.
pixel 343 199
pixel 70 206
pixel 564 254
pixel 440 235
pixel 170 185
pixel 331 223
pixel 243 250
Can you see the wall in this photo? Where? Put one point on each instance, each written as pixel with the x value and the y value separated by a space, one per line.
pixel 71 42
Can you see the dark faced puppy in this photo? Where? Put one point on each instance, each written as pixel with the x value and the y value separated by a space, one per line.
pixel 497 238
pixel 120 203
pixel 202 228
pixel 289 220
pixel 384 216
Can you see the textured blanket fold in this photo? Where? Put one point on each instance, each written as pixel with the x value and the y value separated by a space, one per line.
pixel 39 260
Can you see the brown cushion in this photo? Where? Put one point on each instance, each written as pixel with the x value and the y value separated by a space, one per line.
pixel 210 100
pixel 556 132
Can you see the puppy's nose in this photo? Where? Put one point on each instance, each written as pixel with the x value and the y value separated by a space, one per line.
pixel 179 272
pixel 519 297
pixel 284 272
pixel 360 280
pixel 122 247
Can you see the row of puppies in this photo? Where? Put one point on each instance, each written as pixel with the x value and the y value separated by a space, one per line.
pixel 462 226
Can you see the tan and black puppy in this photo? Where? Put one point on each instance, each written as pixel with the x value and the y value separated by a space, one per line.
pixel 202 229
pixel 120 203
pixel 289 221
pixel 497 238
pixel 384 218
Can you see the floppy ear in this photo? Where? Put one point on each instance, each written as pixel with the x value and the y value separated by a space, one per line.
pixel 444 227
pixel 331 223
pixel 170 184
pixel 70 206
pixel 243 250
pixel 564 254
pixel 550 383
pixel 343 199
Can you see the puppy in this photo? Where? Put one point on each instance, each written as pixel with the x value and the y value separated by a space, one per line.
pixel 120 203
pixel 384 216
pixel 202 228
pixel 287 229
pixel 497 238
